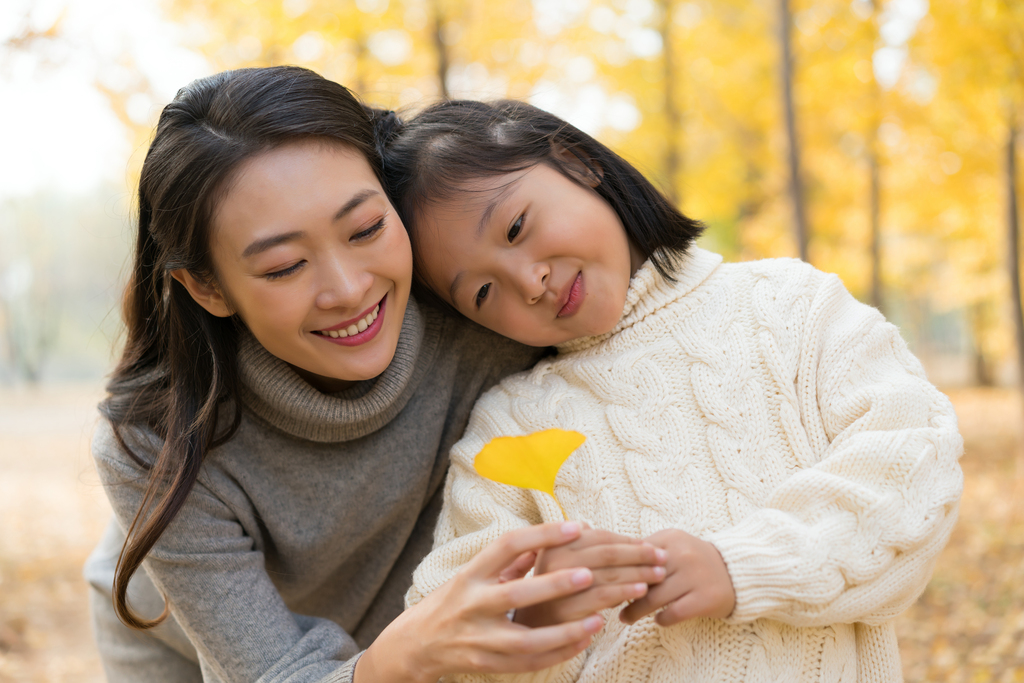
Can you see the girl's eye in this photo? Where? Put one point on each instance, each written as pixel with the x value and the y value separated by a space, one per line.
pixel 287 271
pixel 369 232
pixel 516 228
pixel 482 294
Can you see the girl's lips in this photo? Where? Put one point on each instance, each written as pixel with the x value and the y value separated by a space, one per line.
pixel 574 299
pixel 360 337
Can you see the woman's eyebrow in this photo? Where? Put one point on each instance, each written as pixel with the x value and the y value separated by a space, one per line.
pixel 357 199
pixel 261 245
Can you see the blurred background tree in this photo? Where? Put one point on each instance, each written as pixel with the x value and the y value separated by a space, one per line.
pixel 872 136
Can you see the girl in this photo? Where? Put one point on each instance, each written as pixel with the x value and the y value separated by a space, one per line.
pixel 277 428
pixel 773 436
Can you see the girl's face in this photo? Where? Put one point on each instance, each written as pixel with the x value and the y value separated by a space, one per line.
pixel 309 252
pixel 532 255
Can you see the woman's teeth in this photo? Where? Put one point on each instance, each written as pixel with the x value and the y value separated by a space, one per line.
pixel 354 328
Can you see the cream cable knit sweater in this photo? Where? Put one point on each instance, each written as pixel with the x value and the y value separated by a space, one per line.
pixel 757 406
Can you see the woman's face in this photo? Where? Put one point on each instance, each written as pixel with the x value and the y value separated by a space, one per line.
pixel 310 254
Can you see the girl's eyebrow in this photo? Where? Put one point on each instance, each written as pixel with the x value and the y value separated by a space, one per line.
pixel 492 205
pixel 261 245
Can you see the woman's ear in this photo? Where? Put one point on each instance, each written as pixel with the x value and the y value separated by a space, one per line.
pixel 205 294
pixel 588 172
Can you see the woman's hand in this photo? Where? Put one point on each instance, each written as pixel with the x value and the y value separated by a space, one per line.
pixel 622 568
pixel 463 626
pixel 697 582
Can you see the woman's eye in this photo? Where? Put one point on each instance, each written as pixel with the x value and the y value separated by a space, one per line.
pixel 369 232
pixel 516 228
pixel 482 294
pixel 287 271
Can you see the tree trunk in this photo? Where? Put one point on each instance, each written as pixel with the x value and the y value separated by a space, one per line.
pixel 796 190
pixel 874 180
pixel 673 157
pixel 1013 243
pixel 442 51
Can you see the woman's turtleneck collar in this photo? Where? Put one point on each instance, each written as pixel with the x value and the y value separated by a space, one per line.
pixel 276 394
pixel 649 291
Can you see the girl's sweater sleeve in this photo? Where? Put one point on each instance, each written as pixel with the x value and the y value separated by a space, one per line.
pixel 476 512
pixel 853 535
pixel 218 588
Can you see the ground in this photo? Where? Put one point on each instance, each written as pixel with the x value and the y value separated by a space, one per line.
pixel 968 627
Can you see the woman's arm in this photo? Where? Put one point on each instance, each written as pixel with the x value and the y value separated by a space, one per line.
pixel 463 626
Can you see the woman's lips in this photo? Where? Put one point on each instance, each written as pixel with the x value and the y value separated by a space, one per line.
pixel 574 299
pixel 347 327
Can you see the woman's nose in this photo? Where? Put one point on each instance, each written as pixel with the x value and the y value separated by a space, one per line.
pixel 342 285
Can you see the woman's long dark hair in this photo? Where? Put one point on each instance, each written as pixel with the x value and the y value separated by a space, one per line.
pixel 439 150
pixel 177 373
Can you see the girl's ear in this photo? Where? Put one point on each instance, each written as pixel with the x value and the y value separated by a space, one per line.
pixel 590 175
pixel 205 294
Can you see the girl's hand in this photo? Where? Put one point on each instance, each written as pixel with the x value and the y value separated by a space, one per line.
pixel 463 626
pixel 697 585
pixel 622 568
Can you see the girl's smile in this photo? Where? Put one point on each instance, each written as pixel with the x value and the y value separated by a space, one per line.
pixel 532 255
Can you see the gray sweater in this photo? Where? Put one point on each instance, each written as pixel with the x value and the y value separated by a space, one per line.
pixel 297 544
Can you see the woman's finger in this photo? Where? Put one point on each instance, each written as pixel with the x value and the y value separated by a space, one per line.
pixel 503 551
pixel 534 590
pixel 522 642
pixel 594 599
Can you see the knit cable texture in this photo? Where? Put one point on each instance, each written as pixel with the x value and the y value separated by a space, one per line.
pixel 757 406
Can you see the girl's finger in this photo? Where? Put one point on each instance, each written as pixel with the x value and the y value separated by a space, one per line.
pixel 686 607
pixel 519 568
pixel 503 551
pixel 619 555
pixel 617 575
pixel 657 597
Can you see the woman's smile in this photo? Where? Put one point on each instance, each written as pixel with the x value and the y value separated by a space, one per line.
pixel 357 331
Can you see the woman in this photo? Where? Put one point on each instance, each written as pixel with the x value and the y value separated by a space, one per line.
pixel 277 428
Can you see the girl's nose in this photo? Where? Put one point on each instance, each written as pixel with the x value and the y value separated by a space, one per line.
pixel 342 285
pixel 533 281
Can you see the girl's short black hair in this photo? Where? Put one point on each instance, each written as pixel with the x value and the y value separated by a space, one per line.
pixel 431 157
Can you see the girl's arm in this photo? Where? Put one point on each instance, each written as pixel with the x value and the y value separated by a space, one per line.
pixel 853 535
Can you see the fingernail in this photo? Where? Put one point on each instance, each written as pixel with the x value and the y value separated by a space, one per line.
pixel 659 572
pixel 581 577
pixel 570 528
pixel 639 588
pixel 661 555
pixel 593 624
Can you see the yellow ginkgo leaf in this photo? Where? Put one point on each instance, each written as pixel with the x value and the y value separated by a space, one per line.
pixel 529 462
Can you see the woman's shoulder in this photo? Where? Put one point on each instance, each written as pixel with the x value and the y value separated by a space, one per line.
pixel 124 449
pixel 478 349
